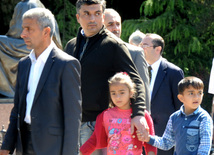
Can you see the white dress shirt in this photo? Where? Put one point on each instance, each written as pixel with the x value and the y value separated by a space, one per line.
pixel 154 71
pixel 211 82
pixel 36 69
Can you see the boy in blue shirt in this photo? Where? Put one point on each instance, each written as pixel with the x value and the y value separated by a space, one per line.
pixel 190 128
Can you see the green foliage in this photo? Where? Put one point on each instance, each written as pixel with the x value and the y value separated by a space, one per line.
pixel 187 27
pixel 6 11
pixel 67 22
pixel 178 22
pixel 65 14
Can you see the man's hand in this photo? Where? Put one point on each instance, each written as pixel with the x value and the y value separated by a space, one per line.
pixel 140 123
pixel 143 136
pixel 4 152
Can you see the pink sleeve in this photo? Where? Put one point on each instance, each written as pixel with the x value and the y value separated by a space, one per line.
pixel 149 121
pixel 97 140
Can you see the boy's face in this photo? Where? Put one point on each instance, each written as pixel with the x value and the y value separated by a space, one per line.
pixel 191 98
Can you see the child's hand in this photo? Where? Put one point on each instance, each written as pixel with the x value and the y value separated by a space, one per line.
pixel 151 153
pixel 143 136
pixel 80 153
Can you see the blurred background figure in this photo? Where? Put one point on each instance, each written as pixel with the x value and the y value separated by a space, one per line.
pixel 136 38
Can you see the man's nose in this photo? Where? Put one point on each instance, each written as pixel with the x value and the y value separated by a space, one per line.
pixel 23 34
pixel 116 28
pixel 92 17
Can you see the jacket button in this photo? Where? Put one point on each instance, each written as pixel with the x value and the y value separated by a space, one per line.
pixel 133 136
pixel 135 146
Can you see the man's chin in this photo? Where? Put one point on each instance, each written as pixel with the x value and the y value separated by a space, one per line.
pixel 116 34
pixel 29 47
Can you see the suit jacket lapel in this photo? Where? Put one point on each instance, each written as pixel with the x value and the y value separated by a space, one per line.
pixel 159 78
pixel 44 74
pixel 24 80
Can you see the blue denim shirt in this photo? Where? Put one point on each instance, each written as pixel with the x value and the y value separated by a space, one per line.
pixel 191 134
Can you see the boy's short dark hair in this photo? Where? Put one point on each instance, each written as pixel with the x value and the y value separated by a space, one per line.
pixel 190 81
pixel 79 3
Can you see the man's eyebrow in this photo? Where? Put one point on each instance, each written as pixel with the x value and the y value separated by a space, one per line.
pixel 110 22
pixel 98 11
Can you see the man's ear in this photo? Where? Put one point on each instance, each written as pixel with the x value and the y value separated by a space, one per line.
pixel 103 20
pixel 158 49
pixel 77 16
pixel 180 97
pixel 47 31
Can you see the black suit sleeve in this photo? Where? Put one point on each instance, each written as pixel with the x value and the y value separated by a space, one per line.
pixel 123 61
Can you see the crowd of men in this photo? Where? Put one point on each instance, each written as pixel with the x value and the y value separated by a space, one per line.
pixel 60 93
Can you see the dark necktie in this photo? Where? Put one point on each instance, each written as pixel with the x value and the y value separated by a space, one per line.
pixel 150 73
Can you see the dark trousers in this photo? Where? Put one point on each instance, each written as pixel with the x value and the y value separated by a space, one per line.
pixel 169 152
pixel 27 140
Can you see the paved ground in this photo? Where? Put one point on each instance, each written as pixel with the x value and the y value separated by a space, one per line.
pixel 5 110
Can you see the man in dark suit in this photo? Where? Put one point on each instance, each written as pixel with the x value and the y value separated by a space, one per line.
pixel 112 22
pixel 46 116
pixel 163 85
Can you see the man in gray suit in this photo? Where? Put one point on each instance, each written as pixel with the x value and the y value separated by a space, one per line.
pixel 46 116
pixel 112 22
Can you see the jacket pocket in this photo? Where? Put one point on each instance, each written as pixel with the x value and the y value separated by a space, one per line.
pixel 192 141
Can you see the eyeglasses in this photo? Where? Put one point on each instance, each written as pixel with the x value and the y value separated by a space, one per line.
pixel 146 46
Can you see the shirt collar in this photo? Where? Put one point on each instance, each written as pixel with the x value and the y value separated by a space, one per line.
pixel 83 34
pixel 194 113
pixel 156 65
pixel 44 56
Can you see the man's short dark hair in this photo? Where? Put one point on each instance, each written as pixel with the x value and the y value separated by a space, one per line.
pixel 79 3
pixel 159 42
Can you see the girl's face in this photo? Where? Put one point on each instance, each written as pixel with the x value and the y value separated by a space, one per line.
pixel 120 95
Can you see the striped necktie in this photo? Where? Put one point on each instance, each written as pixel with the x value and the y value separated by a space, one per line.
pixel 150 73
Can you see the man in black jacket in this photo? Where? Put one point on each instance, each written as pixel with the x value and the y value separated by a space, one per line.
pixel 101 55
